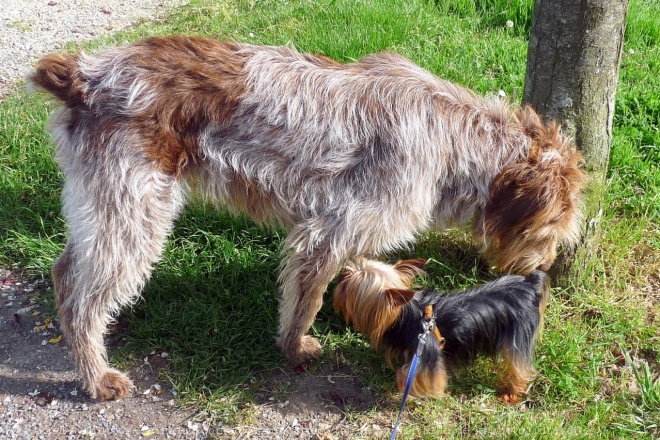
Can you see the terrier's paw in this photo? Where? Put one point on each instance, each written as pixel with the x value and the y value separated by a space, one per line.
pixel 508 397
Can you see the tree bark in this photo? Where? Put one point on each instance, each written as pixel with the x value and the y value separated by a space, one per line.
pixel 573 62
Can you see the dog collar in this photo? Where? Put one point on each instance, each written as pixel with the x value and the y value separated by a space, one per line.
pixel 429 324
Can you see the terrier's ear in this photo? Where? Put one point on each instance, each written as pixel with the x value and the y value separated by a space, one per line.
pixel 343 276
pixel 339 301
pixel 409 269
pixel 400 296
pixel 416 263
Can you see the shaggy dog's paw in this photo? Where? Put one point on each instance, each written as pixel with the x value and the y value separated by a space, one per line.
pixel 111 386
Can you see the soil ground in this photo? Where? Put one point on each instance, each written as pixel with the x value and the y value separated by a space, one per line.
pixel 40 395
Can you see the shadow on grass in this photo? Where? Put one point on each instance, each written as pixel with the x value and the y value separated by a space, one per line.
pixel 212 306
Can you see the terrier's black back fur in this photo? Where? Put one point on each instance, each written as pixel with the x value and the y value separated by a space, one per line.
pixel 483 320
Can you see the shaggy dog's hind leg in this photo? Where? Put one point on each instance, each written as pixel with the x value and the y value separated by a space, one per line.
pixel 117 227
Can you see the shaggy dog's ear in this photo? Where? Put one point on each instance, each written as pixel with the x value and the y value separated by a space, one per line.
pixel 533 202
pixel 514 199
pixel 527 196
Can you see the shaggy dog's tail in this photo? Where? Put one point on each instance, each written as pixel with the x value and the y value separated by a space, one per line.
pixel 59 74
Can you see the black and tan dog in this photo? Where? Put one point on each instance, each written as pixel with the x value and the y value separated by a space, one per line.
pixel 502 317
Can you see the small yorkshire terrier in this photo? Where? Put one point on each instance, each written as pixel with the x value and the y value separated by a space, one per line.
pixel 502 317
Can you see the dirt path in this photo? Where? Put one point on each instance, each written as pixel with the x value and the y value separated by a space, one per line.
pixel 40 396
pixel 30 28
pixel 39 389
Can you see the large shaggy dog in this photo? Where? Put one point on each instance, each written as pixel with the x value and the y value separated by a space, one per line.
pixel 351 159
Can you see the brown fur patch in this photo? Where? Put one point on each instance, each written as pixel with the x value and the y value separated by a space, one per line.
pixel 196 82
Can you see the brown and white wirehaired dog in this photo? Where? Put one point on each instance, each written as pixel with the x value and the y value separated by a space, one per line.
pixel 351 159
pixel 501 318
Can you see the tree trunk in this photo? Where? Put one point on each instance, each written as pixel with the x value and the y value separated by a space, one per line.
pixel 573 60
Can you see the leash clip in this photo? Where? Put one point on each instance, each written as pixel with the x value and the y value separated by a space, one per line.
pixel 428 327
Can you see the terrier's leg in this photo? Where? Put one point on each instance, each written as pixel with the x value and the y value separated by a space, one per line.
pixel 518 372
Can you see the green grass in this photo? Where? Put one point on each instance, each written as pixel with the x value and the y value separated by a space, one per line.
pixel 212 302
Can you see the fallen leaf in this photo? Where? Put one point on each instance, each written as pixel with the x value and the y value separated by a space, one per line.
pixel 302 368
pixel 337 399
pixel 26 310
pixel 44 398
pixel 619 358
pixel 6 282
pixel 55 340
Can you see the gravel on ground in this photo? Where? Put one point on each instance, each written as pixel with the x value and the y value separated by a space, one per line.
pixel 32 28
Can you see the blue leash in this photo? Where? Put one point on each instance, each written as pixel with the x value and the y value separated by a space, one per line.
pixel 428 325
pixel 409 381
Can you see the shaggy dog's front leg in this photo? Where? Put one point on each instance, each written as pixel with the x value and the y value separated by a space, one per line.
pixel 306 273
